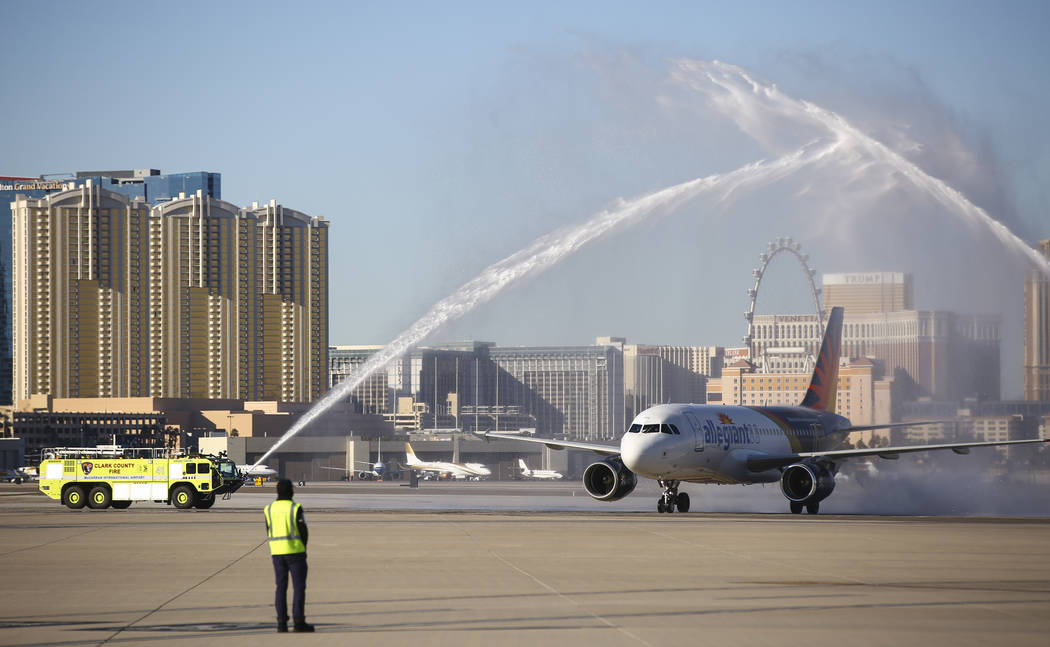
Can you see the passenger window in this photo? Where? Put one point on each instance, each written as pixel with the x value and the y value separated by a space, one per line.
pixel 191 468
pixel 635 428
pixel 651 429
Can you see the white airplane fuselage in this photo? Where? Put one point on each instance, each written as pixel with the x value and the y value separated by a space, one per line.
pixel 456 470
pixel 537 474
pixel 712 443
pixel 257 471
pixel 542 474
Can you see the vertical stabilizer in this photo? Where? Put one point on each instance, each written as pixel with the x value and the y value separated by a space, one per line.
pixel 524 468
pixel 821 392
pixel 410 456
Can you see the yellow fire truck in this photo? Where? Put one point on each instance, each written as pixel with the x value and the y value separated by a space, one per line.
pixel 110 476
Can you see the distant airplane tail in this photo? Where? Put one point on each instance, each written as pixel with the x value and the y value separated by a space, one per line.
pixel 824 384
pixel 524 468
pixel 410 456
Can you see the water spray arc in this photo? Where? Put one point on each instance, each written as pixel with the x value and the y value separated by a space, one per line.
pixel 548 250
pixel 752 105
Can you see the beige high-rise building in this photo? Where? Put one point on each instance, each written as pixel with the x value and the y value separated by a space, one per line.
pixel 1037 332
pixel 203 300
pixel 293 277
pixel 79 286
pixel 195 298
pixel 740 384
pixel 865 292
pixel 945 355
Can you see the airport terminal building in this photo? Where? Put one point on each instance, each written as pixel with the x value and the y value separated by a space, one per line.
pixel 573 392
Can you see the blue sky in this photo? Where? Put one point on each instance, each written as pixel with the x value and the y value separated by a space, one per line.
pixel 439 137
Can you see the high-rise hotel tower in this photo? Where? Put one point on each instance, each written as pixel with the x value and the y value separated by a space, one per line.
pixel 292 274
pixel 195 298
pixel 79 285
pixel 1037 332
pixel 203 300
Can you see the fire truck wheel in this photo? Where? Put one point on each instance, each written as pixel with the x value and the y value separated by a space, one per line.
pixel 121 505
pixel 183 497
pixel 205 501
pixel 73 497
pixel 99 497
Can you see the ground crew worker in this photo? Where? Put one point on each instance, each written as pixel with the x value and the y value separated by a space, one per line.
pixel 286 530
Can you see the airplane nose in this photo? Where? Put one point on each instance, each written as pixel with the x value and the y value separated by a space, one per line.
pixel 638 454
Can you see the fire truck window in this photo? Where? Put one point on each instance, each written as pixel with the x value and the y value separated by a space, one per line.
pixel 203 468
pixel 191 468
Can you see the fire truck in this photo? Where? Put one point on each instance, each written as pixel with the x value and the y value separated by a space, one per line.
pixel 110 476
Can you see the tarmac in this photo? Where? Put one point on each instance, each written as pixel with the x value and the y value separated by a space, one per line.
pixel 441 575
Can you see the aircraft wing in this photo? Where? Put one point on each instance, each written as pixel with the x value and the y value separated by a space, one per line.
pixel 893 425
pixel 759 463
pixel 606 450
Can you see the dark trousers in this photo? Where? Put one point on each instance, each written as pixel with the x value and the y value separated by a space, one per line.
pixel 282 566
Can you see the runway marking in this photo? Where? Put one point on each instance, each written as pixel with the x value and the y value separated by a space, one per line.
pixel 599 618
pixel 48 543
pixel 131 624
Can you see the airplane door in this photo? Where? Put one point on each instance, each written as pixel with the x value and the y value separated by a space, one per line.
pixel 698 433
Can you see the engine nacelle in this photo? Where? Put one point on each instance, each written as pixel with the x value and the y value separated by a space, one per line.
pixel 807 482
pixel 609 480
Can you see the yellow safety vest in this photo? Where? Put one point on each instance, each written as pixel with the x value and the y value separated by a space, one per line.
pixel 284 532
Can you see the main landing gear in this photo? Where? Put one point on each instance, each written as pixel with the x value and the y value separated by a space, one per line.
pixel 811 508
pixel 672 498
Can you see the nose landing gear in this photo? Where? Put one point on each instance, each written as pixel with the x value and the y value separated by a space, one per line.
pixel 672 498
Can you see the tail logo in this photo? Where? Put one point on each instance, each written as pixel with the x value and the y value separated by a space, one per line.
pixel 724 419
pixel 824 383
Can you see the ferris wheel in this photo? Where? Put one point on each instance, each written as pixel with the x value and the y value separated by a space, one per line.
pixel 783 244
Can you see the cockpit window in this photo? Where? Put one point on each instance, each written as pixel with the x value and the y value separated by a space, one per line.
pixel 666 429
pixel 635 428
pixel 673 430
pixel 651 429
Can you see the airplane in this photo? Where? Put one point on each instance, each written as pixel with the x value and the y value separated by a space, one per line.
pixel 19 474
pixel 797 446
pixel 456 470
pixel 256 471
pixel 537 474
pixel 377 470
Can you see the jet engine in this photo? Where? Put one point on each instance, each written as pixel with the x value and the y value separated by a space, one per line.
pixel 609 480
pixel 807 483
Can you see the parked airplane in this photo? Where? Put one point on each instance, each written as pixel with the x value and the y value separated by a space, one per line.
pixel 537 474
pixel 19 474
pixel 256 471
pixel 376 470
pixel 455 470
pixel 797 446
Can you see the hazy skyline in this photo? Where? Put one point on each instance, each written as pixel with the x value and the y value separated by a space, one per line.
pixel 439 139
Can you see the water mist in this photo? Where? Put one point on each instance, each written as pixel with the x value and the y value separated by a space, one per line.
pixel 756 107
